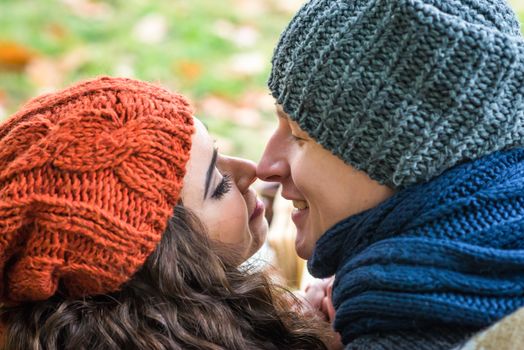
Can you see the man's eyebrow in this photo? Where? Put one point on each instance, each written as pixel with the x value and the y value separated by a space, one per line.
pixel 210 171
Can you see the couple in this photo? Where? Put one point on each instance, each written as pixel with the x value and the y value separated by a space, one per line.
pixel 399 140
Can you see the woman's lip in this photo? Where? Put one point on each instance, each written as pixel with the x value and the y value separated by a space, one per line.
pixel 259 209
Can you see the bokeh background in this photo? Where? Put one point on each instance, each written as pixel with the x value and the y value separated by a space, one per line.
pixel 216 52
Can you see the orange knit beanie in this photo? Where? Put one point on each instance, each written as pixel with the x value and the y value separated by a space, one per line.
pixel 89 177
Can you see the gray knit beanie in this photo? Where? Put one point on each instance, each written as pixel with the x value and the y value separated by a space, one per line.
pixel 404 89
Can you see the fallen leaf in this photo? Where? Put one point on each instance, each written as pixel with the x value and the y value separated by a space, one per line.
pixel 248 117
pixel 249 63
pixel 57 31
pixel 45 74
pixel 48 73
pixel 216 107
pixel 3 113
pixel 15 55
pixel 125 68
pixel 260 100
pixel 74 59
pixel 151 29
pixel 188 70
pixel 251 8
pixel 219 108
pixel 246 36
pixel 242 36
pixel 90 9
pixel 288 6
pixel 225 145
pixel 223 28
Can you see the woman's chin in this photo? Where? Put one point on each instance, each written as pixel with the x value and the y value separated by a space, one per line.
pixel 258 237
pixel 258 231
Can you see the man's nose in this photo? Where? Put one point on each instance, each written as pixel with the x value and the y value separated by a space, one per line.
pixel 273 165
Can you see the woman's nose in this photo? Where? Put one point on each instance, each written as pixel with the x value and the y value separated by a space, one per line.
pixel 273 165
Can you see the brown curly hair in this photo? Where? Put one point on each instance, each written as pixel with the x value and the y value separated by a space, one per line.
pixel 190 294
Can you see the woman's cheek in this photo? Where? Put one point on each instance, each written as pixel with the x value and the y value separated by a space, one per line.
pixel 235 221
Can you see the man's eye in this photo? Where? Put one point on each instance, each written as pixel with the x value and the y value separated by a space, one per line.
pixel 223 187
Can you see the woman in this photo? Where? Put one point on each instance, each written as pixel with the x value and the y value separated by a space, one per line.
pixel 121 227
pixel 400 142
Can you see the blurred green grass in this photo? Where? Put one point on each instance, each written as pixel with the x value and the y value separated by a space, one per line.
pixel 52 29
pixel 216 53
pixel 198 52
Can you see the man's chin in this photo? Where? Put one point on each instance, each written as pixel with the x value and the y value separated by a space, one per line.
pixel 302 248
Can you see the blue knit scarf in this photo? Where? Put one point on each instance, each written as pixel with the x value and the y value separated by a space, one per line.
pixel 446 252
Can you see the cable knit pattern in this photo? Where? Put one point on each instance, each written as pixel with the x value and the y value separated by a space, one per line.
pixel 404 89
pixel 88 179
pixel 449 252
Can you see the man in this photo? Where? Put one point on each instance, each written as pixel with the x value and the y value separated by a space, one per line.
pixel 399 141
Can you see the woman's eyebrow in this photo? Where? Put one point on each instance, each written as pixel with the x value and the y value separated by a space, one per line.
pixel 210 171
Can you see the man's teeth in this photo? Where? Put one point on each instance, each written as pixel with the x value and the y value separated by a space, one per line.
pixel 300 205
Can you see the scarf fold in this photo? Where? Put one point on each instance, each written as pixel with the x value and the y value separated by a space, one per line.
pixel 446 252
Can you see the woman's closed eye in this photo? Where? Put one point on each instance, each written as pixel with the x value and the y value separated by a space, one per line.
pixel 223 187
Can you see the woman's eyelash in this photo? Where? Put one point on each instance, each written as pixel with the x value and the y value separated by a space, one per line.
pixel 223 187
